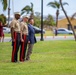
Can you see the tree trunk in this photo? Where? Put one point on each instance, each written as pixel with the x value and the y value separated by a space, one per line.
pixel 32 15
pixel 68 19
pixel 57 14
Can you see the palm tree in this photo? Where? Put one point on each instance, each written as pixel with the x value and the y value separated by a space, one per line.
pixel 67 18
pixel 57 6
pixel 28 9
pixel 4 3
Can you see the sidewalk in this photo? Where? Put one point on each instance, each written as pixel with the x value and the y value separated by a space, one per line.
pixel 47 38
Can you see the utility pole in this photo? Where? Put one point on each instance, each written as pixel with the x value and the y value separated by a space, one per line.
pixel 8 12
pixel 41 20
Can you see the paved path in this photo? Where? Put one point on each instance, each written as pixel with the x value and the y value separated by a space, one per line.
pixel 47 38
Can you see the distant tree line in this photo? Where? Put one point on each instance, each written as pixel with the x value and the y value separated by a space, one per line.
pixel 48 21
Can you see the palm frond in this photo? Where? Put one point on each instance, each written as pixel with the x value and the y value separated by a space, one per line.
pixel 73 16
pixel 32 5
pixel 4 3
pixel 26 8
pixel 52 4
pixel 23 12
pixel 65 3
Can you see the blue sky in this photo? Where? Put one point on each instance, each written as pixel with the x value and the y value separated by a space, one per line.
pixel 19 4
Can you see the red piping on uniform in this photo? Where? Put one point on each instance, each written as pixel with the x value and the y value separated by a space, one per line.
pixel 25 42
pixel 13 52
pixel 22 53
pixel 22 49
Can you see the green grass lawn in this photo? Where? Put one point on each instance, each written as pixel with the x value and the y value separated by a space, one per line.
pixel 7 34
pixel 48 58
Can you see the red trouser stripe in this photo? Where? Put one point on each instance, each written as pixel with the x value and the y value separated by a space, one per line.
pixel 14 49
pixel 22 53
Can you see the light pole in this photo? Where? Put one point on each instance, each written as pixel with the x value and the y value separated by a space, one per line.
pixel 41 20
pixel 8 12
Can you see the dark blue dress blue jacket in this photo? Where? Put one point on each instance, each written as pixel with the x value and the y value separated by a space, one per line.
pixel 31 34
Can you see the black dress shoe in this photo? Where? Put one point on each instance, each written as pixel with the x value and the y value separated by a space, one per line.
pixel 27 58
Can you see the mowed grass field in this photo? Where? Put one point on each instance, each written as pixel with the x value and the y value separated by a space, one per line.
pixel 48 58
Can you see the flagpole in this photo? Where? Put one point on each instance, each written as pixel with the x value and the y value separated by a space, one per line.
pixel 8 12
pixel 41 20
